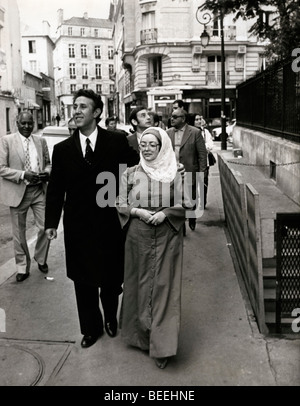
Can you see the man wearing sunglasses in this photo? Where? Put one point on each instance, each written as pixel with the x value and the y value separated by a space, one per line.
pixel 190 150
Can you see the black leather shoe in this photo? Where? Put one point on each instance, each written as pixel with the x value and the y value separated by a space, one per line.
pixel 161 362
pixel 88 341
pixel 21 277
pixel 192 224
pixel 111 328
pixel 43 268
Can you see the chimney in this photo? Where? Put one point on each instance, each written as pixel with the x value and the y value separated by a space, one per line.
pixel 46 28
pixel 60 17
pixel 85 16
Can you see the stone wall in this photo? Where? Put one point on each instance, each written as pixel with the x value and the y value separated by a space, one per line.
pixel 261 149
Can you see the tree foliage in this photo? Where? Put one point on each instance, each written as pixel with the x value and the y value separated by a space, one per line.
pixel 282 30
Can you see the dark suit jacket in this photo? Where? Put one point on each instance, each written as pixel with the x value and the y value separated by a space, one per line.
pixel 193 154
pixel 133 142
pixel 94 242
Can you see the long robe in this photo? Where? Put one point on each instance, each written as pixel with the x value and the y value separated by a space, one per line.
pixel 150 313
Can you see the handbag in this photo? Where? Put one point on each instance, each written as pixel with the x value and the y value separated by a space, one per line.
pixel 211 159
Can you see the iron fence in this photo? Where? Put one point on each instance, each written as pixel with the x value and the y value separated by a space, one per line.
pixel 287 266
pixel 270 101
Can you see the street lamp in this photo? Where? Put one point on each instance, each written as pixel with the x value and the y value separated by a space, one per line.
pixel 205 19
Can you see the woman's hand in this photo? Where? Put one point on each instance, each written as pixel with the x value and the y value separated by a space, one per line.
pixel 157 218
pixel 142 214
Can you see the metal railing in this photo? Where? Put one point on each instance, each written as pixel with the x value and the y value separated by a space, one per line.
pixel 149 36
pixel 270 102
pixel 154 80
pixel 214 78
pixel 287 266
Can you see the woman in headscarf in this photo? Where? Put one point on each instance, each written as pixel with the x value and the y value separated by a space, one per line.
pixel 150 209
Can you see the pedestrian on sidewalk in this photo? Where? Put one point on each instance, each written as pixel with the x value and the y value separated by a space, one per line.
pixel 24 171
pixel 150 313
pixel 57 119
pixel 200 123
pixel 94 241
pixel 190 150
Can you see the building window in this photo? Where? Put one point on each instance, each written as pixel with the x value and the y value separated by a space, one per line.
pixel 110 53
pixel 82 31
pixel 72 71
pixel 98 71
pixel 111 88
pixel 99 89
pixel 72 89
pixel 85 87
pixel 83 51
pixel 216 27
pixel 96 32
pixel 97 52
pixel 32 47
pixel 110 69
pixel 154 72
pixel 7 120
pixel 272 170
pixel 214 70
pixel 71 51
pixel 70 31
pixel 33 66
pixel 84 67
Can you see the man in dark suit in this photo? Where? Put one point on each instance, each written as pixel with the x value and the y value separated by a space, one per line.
pixel 24 171
pixel 83 166
pixel 190 150
pixel 140 120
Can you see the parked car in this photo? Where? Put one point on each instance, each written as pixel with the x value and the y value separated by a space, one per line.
pixel 54 135
pixel 213 123
pixel 216 132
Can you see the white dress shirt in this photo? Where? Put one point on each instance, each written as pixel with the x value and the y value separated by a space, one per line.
pixel 92 138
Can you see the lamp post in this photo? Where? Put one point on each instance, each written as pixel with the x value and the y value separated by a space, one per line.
pixel 205 19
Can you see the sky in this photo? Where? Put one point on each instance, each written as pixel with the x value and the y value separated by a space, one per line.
pixel 33 12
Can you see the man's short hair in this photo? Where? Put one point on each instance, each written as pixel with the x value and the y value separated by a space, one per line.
pixel 179 102
pixel 133 114
pixel 90 94
pixel 21 114
pixel 110 119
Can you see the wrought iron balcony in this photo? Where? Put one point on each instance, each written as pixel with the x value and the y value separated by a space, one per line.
pixel 154 80
pixel 149 36
pixel 215 34
pixel 214 78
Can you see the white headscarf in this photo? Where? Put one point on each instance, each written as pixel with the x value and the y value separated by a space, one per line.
pixel 164 167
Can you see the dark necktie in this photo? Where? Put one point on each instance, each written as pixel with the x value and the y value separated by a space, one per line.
pixel 89 153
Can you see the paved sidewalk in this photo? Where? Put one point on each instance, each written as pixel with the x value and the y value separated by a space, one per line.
pixel 220 344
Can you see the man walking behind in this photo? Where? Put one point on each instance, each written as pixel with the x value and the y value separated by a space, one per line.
pixel 24 171
pixel 140 120
pixel 190 150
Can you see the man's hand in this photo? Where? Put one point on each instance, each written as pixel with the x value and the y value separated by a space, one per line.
pixel 51 233
pixel 31 176
pixel 44 176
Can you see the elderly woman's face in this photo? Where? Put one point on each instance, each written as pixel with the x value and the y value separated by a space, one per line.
pixel 149 147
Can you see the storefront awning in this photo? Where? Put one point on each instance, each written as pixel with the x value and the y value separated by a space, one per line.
pixel 33 105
